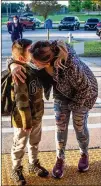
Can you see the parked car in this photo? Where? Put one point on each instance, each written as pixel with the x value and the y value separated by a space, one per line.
pixel 36 20
pixel 26 14
pixel 26 23
pixel 71 23
pixel 98 29
pixel 91 24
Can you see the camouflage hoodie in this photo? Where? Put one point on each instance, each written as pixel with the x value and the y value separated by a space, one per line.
pixel 29 106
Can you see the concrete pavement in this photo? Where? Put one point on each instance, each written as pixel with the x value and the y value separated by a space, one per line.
pixel 71 175
pixel 92 60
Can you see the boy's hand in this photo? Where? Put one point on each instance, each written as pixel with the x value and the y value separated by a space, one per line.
pixel 17 73
pixel 28 130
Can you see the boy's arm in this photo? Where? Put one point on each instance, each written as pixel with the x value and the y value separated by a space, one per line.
pixel 22 104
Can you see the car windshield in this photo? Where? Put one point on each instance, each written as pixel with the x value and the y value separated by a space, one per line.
pixel 93 20
pixel 10 19
pixel 31 19
pixel 68 19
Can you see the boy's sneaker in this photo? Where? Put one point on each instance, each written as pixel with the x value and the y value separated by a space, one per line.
pixel 17 176
pixel 37 169
pixel 58 168
pixel 83 164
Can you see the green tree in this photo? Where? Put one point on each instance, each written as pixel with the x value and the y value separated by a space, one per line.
pixel 27 8
pixel 75 5
pixel 15 7
pixel 3 8
pixel 98 3
pixel 99 6
pixel 45 8
pixel 87 5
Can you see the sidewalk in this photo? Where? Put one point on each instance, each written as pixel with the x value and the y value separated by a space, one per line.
pixel 71 176
pixel 92 60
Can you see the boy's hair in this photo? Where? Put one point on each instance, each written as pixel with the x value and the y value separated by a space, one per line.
pixel 19 47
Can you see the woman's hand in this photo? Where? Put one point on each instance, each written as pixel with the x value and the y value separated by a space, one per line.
pixel 17 73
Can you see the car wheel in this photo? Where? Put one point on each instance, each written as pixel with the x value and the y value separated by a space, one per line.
pixel 85 29
pixel 38 24
pixel 60 28
pixel 74 28
pixel 78 27
pixel 24 28
pixel 33 27
pixel 100 35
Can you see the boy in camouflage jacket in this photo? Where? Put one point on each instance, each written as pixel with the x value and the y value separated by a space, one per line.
pixel 26 115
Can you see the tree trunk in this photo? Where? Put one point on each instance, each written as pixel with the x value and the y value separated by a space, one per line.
pixel 45 16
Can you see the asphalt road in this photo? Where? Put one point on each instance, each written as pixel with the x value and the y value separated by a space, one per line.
pixel 41 34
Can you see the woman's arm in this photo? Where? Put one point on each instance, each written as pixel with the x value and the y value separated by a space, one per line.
pixel 17 71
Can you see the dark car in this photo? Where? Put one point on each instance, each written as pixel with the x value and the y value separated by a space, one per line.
pixel 26 23
pixel 71 23
pixel 91 24
pixel 98 29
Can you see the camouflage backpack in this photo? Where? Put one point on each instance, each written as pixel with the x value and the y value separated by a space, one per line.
pixel 6 102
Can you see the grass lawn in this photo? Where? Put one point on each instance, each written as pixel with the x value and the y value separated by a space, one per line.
pixel 80 16
pixel 91 49
pixel 57 18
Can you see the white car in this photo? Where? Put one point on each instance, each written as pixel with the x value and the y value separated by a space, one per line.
pixel 36 20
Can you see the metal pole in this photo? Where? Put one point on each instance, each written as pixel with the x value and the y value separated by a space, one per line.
pixel 48 34
pixel 69 37
pixel 7 9
pixel 10 8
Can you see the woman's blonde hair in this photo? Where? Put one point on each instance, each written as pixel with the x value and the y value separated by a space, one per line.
pixel 63 54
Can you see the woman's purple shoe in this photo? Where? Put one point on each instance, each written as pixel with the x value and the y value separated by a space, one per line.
pixel 58 168
pixel 83 164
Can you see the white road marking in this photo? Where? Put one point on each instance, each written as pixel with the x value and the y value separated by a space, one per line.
pixel 98 101
pixel 46 117
pixel 52 128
